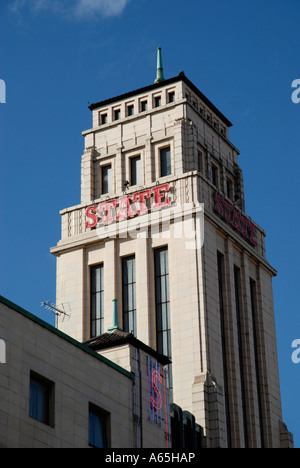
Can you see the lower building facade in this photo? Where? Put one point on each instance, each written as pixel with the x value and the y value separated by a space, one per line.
pixel 59 393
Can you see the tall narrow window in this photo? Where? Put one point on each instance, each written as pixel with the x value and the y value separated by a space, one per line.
pixel 238 307
pixel 129 295
pixel 41 399
pixel 135 170
pixel 162 302
pixel 165 162
pixel 214 175
pixel 97 300
pixel 98 427
pixel 256 356
pixel 224 340
pixel 106 179
pixel 200 161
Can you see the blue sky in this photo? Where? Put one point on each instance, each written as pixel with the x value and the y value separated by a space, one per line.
pixel 58 56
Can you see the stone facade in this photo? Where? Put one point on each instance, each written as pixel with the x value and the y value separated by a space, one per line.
pixel 224 361
pixel 80 379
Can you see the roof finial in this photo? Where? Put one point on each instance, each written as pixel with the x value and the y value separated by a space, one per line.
pixel 160 71
pixel 115 322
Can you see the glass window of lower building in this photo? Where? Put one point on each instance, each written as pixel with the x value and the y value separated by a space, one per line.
pixel 98 427
pixel 41 399
pixel 129 294
pixel 97 300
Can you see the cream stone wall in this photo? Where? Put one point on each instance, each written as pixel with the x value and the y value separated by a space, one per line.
pixel 80 377
pixel 198 137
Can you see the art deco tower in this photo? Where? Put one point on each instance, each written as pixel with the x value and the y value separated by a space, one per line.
pixel 209 309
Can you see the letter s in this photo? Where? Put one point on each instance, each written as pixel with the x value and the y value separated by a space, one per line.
pixel 157 404
pixel 296 93
pixel 91 213
pixel 296 353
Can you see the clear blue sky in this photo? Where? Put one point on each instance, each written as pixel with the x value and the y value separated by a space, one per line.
pixel 57 56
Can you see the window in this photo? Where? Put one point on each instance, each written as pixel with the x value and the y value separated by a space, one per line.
pixel 135 170
pixel 200 161
pixel 129 297
pixel 130 110
pixel 41 399
pixel 165 162
pixel 157 101
pixel 162 302
pixel 144 106
pixel 229 184
pixel 106 179
pixel 241 348
pixel 255 320
pixel 97 300
pixel 103 119
pixel 221 284
pixel 98 427
pixel 171 96
pixel 214 175
pixel 117 114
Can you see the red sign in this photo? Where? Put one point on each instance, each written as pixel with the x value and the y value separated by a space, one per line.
pixel 235 218
pixel 127 206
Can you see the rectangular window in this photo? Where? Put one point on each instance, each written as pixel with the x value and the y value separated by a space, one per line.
pixel 171 96
pixel 41 399
pixel 253 297
pixel 129 295
pixel 165 162
pixel 241 347
pixel 135 171
pixel 97 300
pixel 130 110
pixel 103 119
pixel 144 106
pixel 117 114
pixel 98 427
pixel 157 101
pixel 162 303
pixel 214 175
pixel 106 179
pixel 200 161
pixel 229 184
pixel 220 260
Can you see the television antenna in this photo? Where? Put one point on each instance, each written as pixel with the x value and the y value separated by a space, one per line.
pixel 58 311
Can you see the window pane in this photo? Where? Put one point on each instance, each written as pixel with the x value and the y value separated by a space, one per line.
pixel 128 291
pixel 39 398
pixel 135 170
pixel 165 162
pixel 97 429
pixel 97 300
pixel 106 172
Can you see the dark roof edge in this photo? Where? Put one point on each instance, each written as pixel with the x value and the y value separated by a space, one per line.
pixel 128 338
pixel 62 335
pixel 180 77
